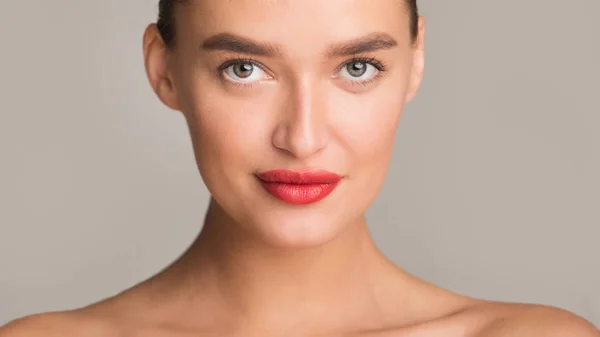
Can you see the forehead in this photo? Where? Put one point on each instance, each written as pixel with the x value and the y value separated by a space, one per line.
pixel 294 24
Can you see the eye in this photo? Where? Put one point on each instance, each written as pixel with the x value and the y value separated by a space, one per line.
pixel 244 72
pixel 359 70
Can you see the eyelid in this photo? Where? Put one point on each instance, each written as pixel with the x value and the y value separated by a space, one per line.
pixel 379 65
pixel 242 60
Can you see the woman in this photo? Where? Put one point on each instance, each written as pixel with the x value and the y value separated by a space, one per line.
pixel 292 108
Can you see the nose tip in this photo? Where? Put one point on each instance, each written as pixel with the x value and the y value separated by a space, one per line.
pixel 300 138
pixel 302 130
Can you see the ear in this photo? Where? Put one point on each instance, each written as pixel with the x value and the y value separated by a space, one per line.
pixel 156 56
pixel 418 62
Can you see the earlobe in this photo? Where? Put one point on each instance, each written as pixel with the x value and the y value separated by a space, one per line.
pixel 418 62
pixel 155 61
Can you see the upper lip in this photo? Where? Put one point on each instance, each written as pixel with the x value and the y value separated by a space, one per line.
pixel 299 177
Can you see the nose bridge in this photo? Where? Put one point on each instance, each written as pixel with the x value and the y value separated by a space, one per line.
pixel 302 130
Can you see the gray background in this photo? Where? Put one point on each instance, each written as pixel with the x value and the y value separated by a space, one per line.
pixel 493 191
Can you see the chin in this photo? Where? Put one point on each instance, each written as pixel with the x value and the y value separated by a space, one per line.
pixel 283 225
pixel 298 228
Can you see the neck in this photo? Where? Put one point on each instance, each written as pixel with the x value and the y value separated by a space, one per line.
pixel 227 268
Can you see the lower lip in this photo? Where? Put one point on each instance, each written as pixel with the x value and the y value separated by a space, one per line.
pixel 298 194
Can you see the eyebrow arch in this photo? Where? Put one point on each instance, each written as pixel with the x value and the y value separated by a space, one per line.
pixel 238 44
pixel 368 43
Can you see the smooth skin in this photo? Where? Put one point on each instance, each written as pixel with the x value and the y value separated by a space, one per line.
pixel 292 84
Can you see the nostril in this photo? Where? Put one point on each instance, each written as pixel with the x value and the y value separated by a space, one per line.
pixel 300 141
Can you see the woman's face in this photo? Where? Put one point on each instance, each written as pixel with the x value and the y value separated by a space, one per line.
pixel 301 85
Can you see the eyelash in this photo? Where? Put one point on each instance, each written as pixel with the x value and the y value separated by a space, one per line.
pixel 379 65
pixel 236 61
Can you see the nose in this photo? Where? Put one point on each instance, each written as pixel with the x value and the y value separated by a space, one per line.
pixel 302 130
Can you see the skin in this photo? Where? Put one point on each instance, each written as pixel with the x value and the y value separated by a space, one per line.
pixel 261 267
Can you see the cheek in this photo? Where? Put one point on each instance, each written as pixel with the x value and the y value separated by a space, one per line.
pixel 228 133
pixel 225 143
pixel 367 130
pixel 367 126
pixel 218 128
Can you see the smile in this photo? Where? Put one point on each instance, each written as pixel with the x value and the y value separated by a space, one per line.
pixel 299 188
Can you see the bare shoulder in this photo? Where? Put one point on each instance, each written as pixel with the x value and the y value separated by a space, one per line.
pixel 516 320
pixel 58 324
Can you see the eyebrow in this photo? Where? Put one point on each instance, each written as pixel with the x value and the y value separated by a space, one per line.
pixel 238 44
pixel 368 43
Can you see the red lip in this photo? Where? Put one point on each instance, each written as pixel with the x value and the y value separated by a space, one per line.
pixel 299 188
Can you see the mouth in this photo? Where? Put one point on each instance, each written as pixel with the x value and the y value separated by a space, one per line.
pixel 299 187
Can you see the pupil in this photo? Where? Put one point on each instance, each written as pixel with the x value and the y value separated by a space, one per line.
pixel 356 69
pixel 243 70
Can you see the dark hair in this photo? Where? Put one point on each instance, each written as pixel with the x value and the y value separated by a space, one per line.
pixel 166 19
